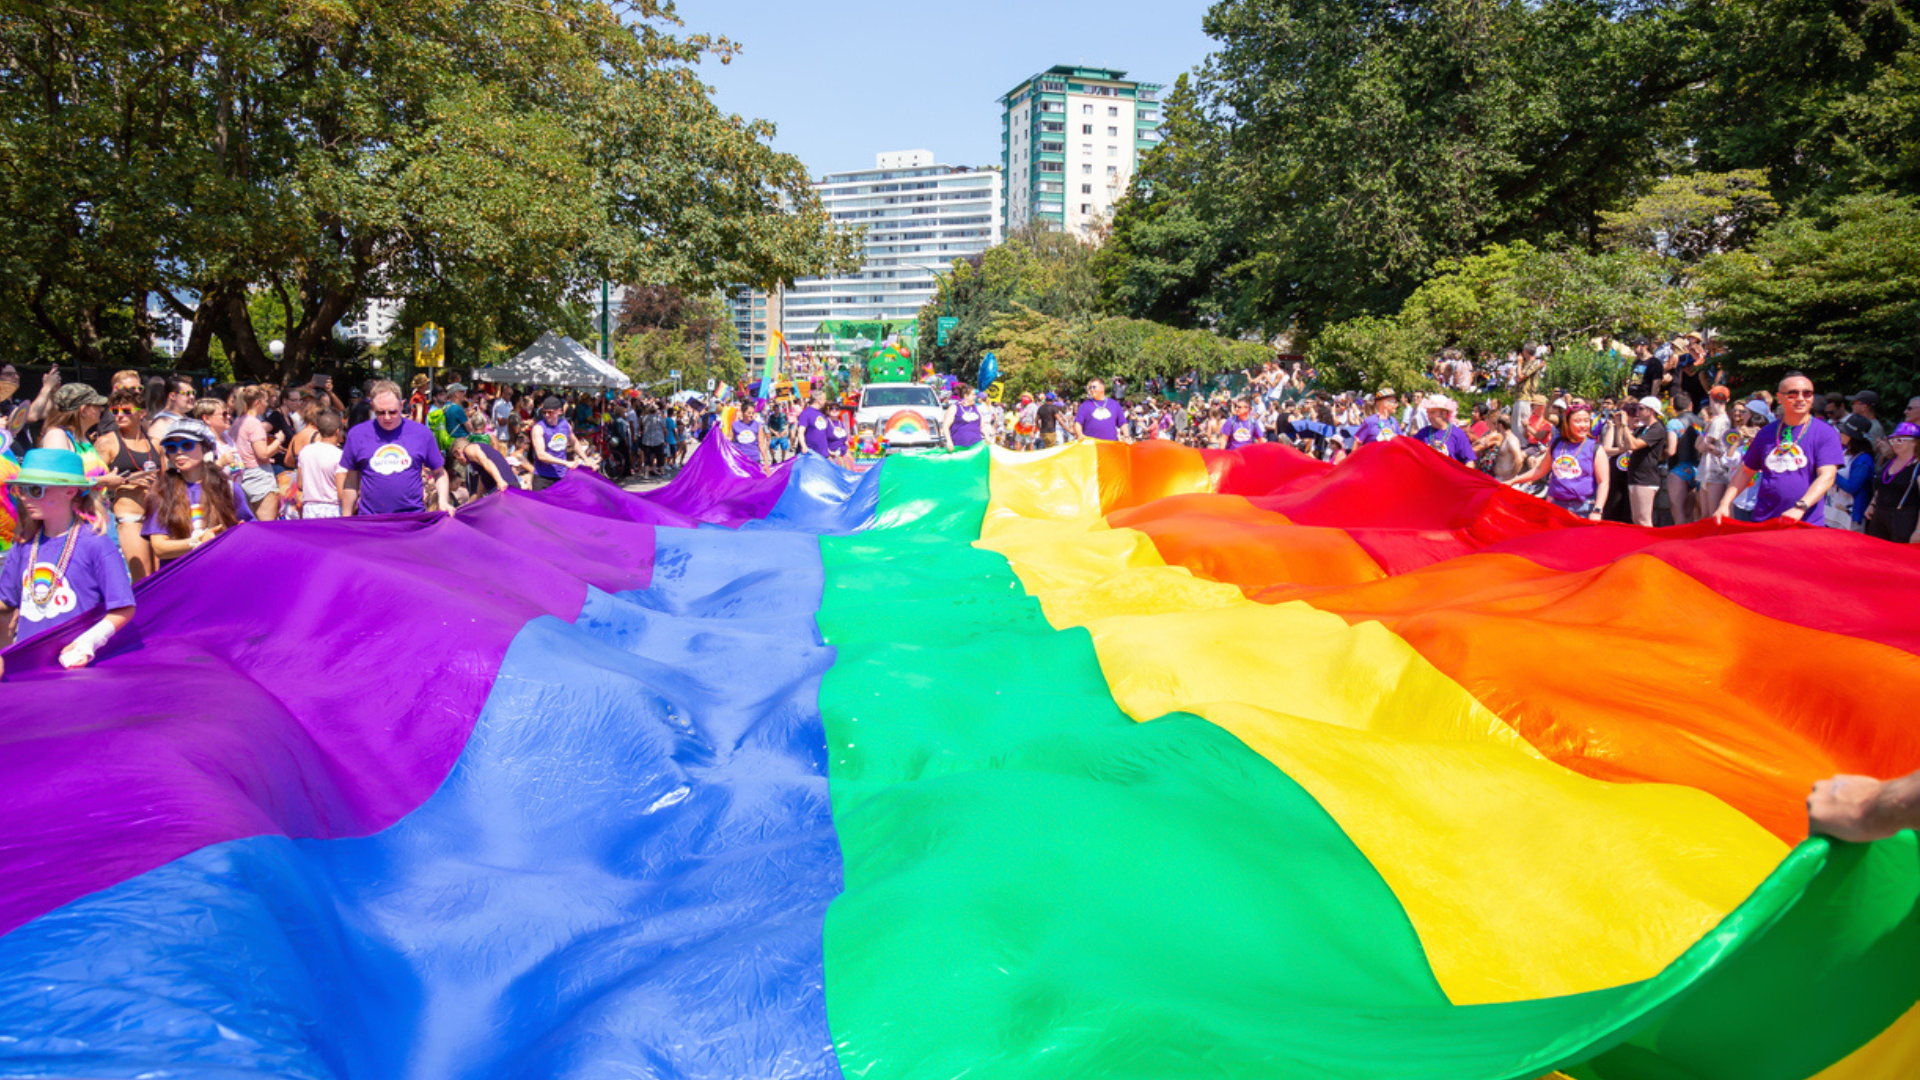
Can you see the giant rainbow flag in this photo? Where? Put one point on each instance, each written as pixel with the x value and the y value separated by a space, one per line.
pixel 1109 761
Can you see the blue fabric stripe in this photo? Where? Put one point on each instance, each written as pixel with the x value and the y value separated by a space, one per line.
pixel 625 874
pixel 823 497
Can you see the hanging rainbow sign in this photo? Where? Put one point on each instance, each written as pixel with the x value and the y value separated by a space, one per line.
pixel 1105 761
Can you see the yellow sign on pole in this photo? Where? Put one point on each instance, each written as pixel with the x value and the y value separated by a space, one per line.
pixel 429 346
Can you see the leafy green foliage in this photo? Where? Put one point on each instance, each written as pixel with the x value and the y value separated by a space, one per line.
pixel 1048 272
pixel 662 330
pixel 488 157
pixel 1494 301
pixel 1367 142
pixel 1585 372
pixel 1837 297
pixel 1691 216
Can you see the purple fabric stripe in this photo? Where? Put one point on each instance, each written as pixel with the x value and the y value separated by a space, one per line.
pixel 308 646
pixel 718 485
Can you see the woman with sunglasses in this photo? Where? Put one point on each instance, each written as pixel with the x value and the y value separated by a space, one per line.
pixel 193 501
pixel 134 464
pixel 61 565
pixel 1894 513
pixel 1575 466
pixel 1792 461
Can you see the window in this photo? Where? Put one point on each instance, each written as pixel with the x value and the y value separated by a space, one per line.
pixel 1113 151
pixel 1086 168
pixel 1112 132
pixel 1086 110
pixel 1053 125
pixel 1113 110
pixel 1052 166
pixel 1112 170
pixel 1086 129
pixel 1053 148
pixel 1086 208
pixel 1086 189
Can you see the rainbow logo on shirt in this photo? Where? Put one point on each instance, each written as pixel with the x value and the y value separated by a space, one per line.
pixel 390 460
pixel 41 582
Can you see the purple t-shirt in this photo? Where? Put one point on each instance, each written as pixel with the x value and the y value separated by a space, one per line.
pixel 966 424
pixel 746 439
pixel 816 430
pixel 1784 473
pixel 1571 479
pixel 558 440
pixel 389 464
pixel 95 577
pixel 1451 441
pixel 1099 419
pixel 1239 433
pixel 1375 429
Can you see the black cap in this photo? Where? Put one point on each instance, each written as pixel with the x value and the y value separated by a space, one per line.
pixel 1856 425
pixel 1866 396
pixel 551 403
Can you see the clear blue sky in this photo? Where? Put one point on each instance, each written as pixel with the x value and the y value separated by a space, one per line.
pixel 846 79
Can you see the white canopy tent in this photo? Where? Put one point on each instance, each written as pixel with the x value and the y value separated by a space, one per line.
pixel 554 360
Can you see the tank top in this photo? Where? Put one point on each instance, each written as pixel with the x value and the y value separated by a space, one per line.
pixel 479 482
pixel 1570 476
pixel 966 424
pixel 746 439
pixel 126 461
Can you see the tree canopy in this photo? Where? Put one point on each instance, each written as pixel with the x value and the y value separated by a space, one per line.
pixel 480 156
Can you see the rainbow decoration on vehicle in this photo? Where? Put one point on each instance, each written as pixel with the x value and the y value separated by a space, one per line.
pixel 1118 761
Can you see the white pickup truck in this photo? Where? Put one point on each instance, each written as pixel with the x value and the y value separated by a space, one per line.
pixel 898 415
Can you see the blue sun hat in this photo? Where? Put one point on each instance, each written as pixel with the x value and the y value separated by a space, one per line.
pixel 54 468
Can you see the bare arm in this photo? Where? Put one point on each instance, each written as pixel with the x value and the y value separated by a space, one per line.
pixel 1742 479
pixel 349 492
pixel 440 489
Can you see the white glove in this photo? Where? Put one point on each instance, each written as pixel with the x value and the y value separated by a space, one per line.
pixel 79 652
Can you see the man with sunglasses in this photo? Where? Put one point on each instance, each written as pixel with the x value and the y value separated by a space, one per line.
pixel 380 465
pixel 1792 461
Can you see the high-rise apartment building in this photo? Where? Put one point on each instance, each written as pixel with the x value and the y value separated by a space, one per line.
pixel 755 316
pixel 1069 139
pixel 919 217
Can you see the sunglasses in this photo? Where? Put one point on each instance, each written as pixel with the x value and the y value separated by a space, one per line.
pixel 386 412
pixel 178 446
pixel 125 410
pixel 39 491
pixel 1796 393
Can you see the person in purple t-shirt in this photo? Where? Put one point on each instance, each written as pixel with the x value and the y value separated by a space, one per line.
pixel 962 420
pixel 1240 429
pixel 1098 417
pixel 63 565
pixel 1795 460
pixel 1442 433
pixel 381 462
pixel 1381 426
pixel 819 433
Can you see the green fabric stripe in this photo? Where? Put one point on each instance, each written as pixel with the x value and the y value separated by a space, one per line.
pixel 1038 887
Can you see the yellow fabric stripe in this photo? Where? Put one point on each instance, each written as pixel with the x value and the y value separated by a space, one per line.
pixel 1523 878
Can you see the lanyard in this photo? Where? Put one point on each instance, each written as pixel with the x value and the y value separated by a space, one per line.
pixel 60 568
pixel 1789 436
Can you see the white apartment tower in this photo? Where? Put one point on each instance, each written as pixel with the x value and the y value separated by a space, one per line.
pixel 1069 140
pixel 919 217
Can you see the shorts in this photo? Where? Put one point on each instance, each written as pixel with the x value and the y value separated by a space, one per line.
pixel 777 443
pixel 314 511
pixel 1581 508
pixel 1049 438
pixel 258 483
pixel 1689 473
pixel 542 483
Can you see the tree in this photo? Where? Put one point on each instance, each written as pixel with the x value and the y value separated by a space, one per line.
pixel 1049 272
pixel 1693 215
pixel 1824 97
pixel 662 330
pixel 1498 299
pixel 1836 296
pixel 1366 142
pixel 490 156
pixel 1170 247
